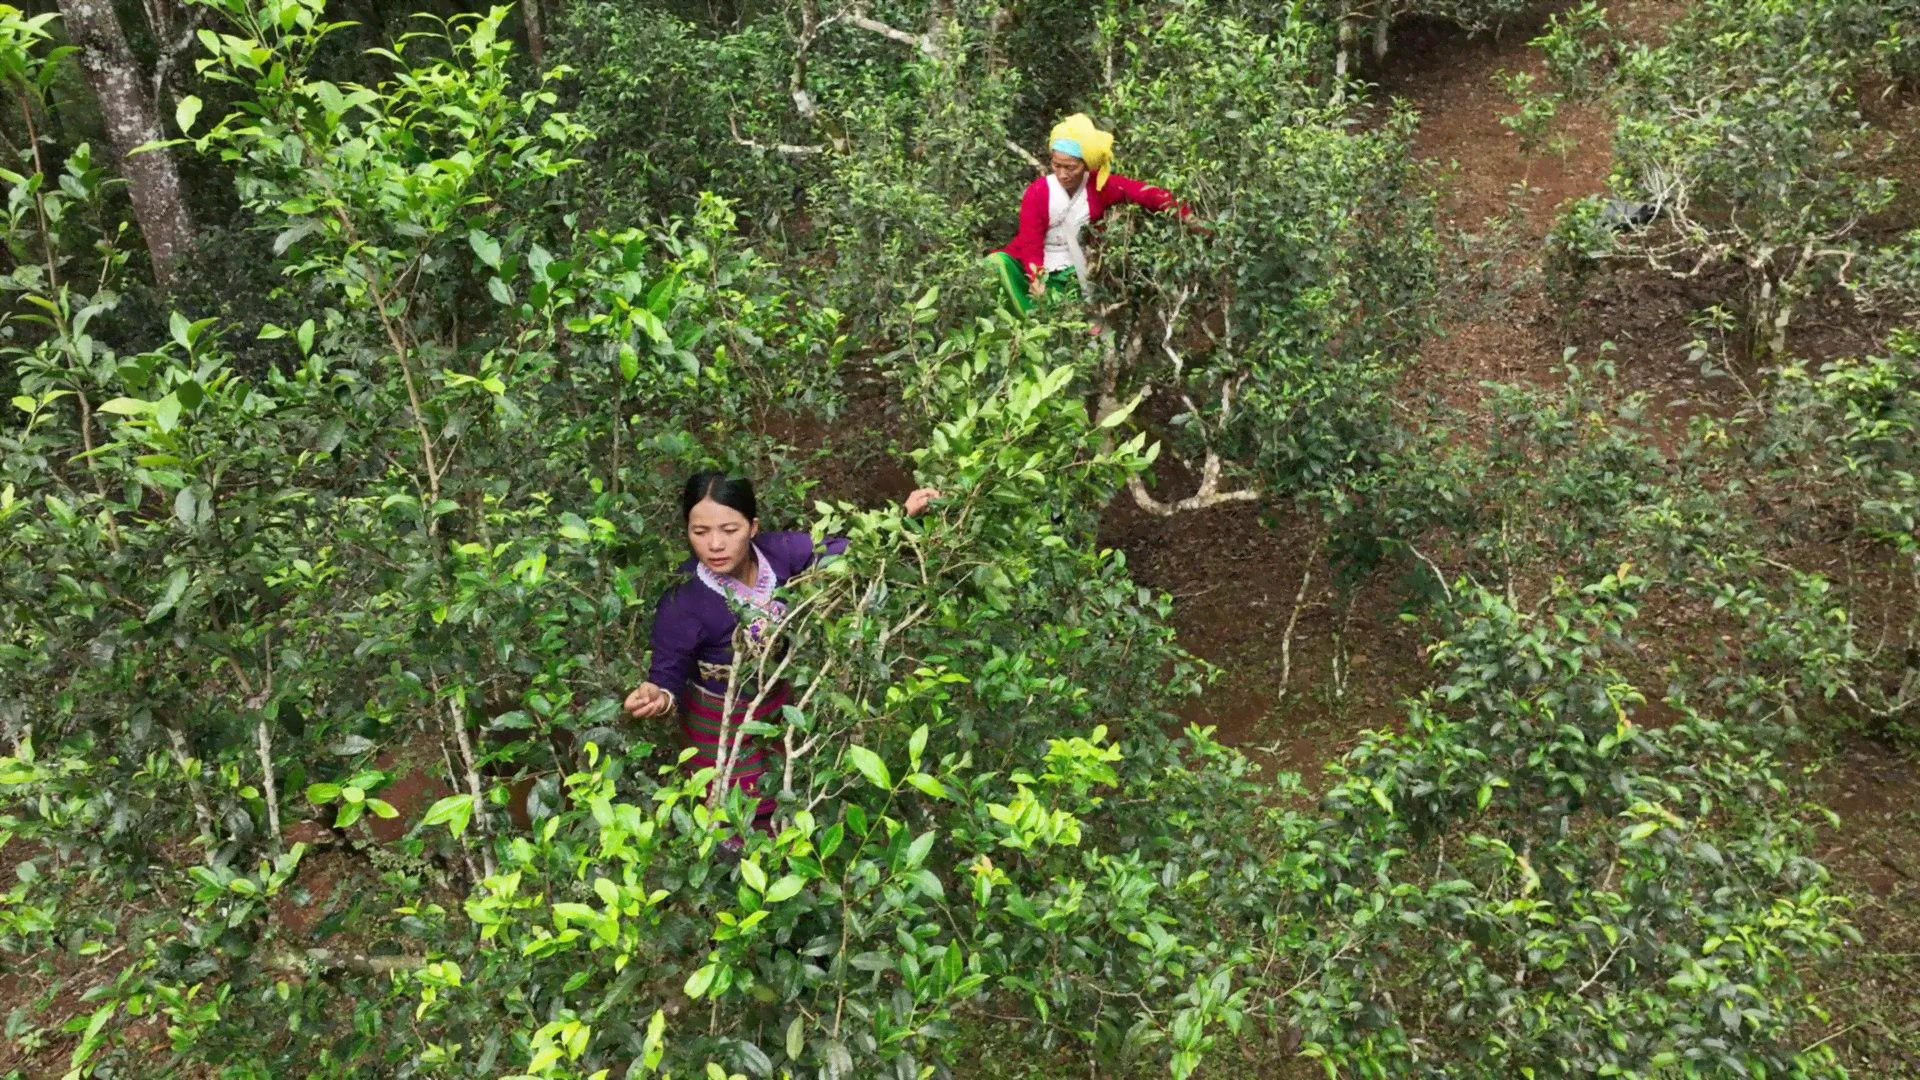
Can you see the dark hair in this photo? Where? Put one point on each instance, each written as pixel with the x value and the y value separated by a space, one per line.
pixel 734 493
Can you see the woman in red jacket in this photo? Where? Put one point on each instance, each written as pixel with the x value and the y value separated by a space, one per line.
pixel 1046 256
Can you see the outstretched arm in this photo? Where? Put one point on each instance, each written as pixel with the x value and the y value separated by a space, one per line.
pixel 1158 200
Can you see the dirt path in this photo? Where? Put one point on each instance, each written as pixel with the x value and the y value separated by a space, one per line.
pixel 1499 203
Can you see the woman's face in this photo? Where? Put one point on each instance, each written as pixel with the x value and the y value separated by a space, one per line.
pixel 720 536
pixel 1069 170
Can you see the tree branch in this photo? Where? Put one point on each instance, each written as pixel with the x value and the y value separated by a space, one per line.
pixel 320 961
pixel 1027 157
pixel 190 767
pixel 1209 494
pixel 789 149
pixel 457 725
pixel 1286 641
pixel 924 42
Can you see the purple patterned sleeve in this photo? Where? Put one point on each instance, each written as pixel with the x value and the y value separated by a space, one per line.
pixel 676 640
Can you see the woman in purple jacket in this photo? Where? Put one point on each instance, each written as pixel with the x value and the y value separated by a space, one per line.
pixel 697 630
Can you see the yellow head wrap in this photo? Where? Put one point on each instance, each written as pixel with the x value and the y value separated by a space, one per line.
pixel 1077 136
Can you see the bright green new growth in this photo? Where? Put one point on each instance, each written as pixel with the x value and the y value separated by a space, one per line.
pixel 243 583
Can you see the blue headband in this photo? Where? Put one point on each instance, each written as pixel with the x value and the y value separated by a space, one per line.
pixel 1070 147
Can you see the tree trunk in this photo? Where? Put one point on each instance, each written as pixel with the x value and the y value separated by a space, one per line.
pixel 133 119
pixel 536 32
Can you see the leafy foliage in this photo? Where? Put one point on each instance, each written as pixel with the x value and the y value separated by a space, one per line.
pixel 1743 130
pixel 246 611
pixel 1277 322
pixel 1556 890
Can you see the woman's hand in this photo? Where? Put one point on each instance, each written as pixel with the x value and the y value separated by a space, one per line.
pixel 917 502
pixel 649 701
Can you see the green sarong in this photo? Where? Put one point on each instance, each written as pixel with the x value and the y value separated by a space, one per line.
pixel 1061 285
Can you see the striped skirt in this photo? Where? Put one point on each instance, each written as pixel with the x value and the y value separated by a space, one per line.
pixel 700 722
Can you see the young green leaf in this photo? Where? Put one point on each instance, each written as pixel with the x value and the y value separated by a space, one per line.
pixel 454 811
pixel 784 889
pixel 697 983
pixel 186 112
pixel 871 767
pixel 755 877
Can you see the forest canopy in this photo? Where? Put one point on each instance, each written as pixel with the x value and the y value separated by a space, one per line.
pixel 1399 610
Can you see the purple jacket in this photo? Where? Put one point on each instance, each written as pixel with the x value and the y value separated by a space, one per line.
pixel 693 628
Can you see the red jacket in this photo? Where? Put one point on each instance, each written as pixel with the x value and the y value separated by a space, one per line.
pixel 1029 248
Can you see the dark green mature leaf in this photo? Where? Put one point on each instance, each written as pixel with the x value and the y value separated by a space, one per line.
pixel 175 589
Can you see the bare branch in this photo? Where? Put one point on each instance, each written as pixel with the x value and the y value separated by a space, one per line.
pixel 190 767
pixel 1209 494
pixel 789 149
pixel 1027 157
pixel 319 961
pixel 457 725
pixel 1172 320
pixel 1286 641
pixel 924 42
pixel 1601 970
pixel 254 703
pixel 803 102
pixel 1437 575
pixel 271 789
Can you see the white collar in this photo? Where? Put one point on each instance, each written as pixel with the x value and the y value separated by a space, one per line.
pixel 759 594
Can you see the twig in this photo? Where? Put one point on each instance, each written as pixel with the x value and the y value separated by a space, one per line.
pixel 314 961
pixel 732 738
pixel 1208 495
pixel 924 42
pixel 790 149
pixel 254 703
pixel 790 752
pixel 1027 157
pixel 1437 575
pixel 1829 1038
pixel 1339 647
pixel 271 790
pixel 1286 640
pixel 803 102
pixel 1602 970
pixel 458 725
pixel 466 850
pixel 1166 340
pixel 396 336
pixel 1506 556
pixel 99 486
pixel 190 768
